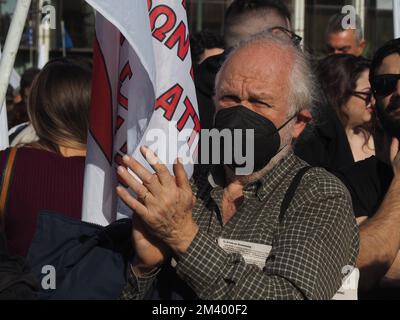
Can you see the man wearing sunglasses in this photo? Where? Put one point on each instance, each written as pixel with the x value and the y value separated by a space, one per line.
pixel 379 258
pixel 385 81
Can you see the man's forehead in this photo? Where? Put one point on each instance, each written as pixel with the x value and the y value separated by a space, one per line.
pixel 261 56
pixel 390 65
pixel 342 36
pixel 257 84
pixel 262 66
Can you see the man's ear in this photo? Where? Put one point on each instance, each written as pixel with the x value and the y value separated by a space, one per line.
pixel 362 46
pixel 303 118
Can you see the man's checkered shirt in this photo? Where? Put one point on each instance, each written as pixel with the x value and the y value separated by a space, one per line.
pixel 316 239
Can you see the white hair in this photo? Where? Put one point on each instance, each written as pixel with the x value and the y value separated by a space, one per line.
pixel 302 86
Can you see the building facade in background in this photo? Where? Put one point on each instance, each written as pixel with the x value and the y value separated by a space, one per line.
pixel 72 36
pixel 75 24
pixel 309 19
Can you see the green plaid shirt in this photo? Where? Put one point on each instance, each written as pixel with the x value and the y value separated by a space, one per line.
pixel 316 239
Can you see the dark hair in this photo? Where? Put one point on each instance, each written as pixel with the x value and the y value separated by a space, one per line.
pixel 27 79
pixel 10 96
pixel 335 25
pixel 240 8
pixel 203 40
pixel 389 48
pixel 338 76
pixel 59 104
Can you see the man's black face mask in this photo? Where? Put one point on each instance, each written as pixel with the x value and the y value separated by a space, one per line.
pixel 254 129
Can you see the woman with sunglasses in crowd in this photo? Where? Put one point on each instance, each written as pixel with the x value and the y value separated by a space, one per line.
pixel 346 139
pixel 344 81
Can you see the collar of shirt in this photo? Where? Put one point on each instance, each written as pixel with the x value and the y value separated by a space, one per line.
pixel 260 189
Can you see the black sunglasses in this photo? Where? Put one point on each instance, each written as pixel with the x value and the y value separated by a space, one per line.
pixel 296 39
pixel 384 85
pixel 365 96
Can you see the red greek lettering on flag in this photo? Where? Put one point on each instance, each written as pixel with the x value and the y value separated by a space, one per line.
pixel 143 95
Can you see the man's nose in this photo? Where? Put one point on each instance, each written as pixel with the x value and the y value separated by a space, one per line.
pixel 248 105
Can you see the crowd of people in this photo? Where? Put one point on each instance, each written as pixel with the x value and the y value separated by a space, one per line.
pixel 324 195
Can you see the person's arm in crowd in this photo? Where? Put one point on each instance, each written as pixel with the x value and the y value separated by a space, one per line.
pixel 380 235
pixel 138 283
pixel 306 262
pixel 150 255
pixel 392 277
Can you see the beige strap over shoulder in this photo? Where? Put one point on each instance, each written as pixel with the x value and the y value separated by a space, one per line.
pixel 6 183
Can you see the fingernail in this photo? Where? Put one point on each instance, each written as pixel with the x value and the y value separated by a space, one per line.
pixel 121 169
pixel 126 158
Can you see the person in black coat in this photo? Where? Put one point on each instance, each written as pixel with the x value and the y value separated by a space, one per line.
pixel 16 281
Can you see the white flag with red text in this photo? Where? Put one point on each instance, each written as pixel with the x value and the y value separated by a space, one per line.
pixel 143 95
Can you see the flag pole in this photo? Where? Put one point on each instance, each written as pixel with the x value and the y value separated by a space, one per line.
pixel 396 18
pixel 11 46
pixel 64 49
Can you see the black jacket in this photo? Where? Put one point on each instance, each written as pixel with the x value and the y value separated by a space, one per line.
pixel 16 281
pixel 326 145
pixel 205 75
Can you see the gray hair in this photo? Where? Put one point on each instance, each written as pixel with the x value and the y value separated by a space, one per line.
pixel 302 87
pixel 335 25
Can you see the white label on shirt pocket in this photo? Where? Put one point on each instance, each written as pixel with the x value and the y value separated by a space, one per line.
pixel 257 254
pixel 252 253
pixel 349 289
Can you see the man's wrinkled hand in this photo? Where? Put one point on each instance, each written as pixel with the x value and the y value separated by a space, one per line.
pixel 164 202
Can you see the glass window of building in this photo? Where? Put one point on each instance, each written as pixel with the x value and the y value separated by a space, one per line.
pixel 309 19
pixel 75 24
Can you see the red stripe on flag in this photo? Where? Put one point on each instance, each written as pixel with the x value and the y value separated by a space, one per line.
pixel 123 101
pixel 101 111
pixel 124 148
pixel 192 72
pixel 120 122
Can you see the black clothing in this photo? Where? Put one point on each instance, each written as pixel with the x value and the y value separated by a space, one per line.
pixel 368 182
pixel 205 75
pixel 16 281
pixel 17 114
pixel 327 146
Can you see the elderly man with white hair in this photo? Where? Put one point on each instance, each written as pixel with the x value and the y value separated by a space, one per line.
pixel 284 231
